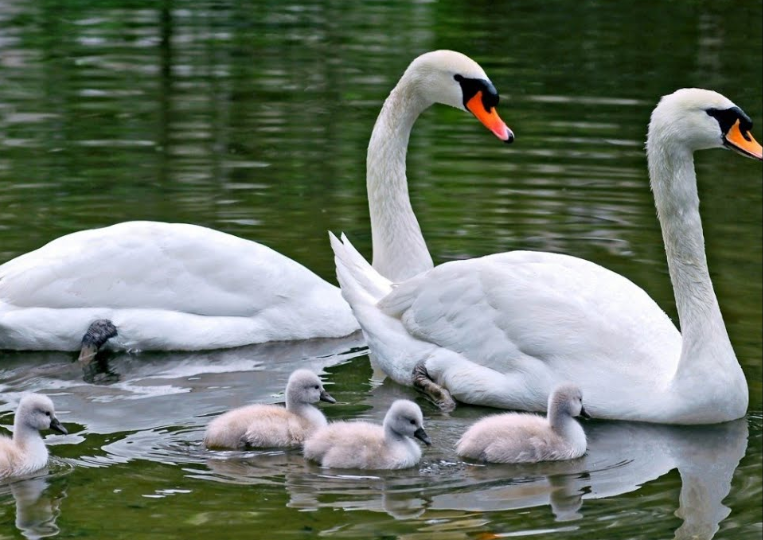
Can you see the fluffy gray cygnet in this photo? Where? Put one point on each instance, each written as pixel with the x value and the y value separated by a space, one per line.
pixel 529 438
pixel 26 451
pixel 263 426
pixel 363 445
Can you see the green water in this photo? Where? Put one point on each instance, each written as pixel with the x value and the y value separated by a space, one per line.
pixel 253 118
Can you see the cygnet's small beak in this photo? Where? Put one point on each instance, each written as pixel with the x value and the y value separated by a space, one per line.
pixel 325 396
pixel 421 435
pixel 55 425
pixel 584 413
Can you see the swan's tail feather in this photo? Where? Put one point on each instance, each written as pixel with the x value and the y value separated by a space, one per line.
pixel 394 350
pixel 361 284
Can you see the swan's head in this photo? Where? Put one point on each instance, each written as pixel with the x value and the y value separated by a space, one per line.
pixel 36 411
pixel 567 399
pixel 404 417
pixel 454 79
pixel 304 386
pixel 699 119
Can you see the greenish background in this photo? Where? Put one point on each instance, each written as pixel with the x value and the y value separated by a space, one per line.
pixel 253 118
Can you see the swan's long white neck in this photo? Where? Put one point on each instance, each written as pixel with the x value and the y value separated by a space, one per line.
pixel 706 352
pixel 674 185
pixel 399 250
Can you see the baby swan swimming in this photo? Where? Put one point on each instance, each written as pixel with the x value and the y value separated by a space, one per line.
pixel 363 445
pixel 26 451
pixel 529 438
pixel 263 426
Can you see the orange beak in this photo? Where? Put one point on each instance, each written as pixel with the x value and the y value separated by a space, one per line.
pixel 491 120
pixel 742 142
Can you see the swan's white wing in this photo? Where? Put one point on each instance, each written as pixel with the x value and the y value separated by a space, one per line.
pixel 166 287
pixel 148 265
pixel 511 310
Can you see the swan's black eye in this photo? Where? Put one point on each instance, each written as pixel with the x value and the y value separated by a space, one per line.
pixel 413 422
pixel 470 87
pixel 727 118
pixel 47 413
pixel 317 387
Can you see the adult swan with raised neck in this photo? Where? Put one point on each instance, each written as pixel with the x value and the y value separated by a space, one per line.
pixel 163 286
pixel 505 329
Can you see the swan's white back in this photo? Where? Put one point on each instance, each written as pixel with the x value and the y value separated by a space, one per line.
pixel 165 286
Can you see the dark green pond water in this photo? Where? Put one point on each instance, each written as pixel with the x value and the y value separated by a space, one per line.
pixel 253 118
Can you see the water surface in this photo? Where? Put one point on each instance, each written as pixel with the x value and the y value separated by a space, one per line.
pixel 253 118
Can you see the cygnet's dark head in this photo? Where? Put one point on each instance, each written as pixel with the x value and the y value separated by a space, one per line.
pixel 404 417
pixel 304 386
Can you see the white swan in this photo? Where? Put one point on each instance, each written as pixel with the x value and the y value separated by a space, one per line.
pixel 529 438
pixel 503 330
pixel 261 426
pixel 363 445
pixel 182 287
pixel 26 451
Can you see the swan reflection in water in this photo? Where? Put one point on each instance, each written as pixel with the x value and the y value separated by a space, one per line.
pixel 106 366
pixel 621 457
pixel 37 506
pixel 144 399
pixel 307 482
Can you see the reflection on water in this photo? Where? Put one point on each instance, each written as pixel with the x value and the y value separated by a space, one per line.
pixel 622 457
pixel 37 506
pixel 157 412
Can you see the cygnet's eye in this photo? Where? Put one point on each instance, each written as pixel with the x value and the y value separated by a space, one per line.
pixel 47 413
pixel 317 387
pixel 413 422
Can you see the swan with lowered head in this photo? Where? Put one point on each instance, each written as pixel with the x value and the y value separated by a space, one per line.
pixel 164 286
pixel 363 445
pixel 26 451
pixel 529 438
pixel 505 329
pixel 264 426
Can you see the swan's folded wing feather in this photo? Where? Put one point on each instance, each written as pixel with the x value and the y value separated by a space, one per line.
pixel 506 309
pixel 150 265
